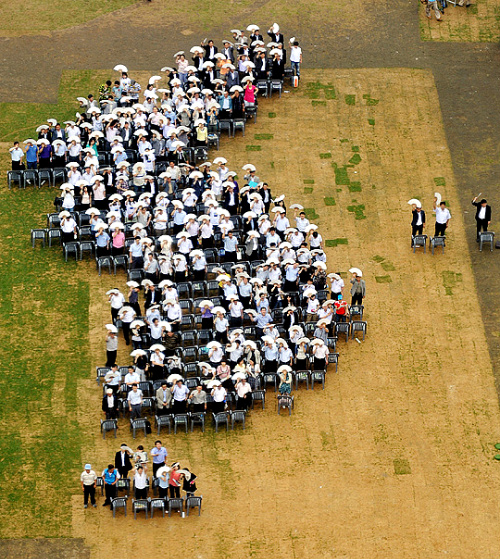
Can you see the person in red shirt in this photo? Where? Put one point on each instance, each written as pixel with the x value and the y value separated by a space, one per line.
pixel 174 484
pixel 341 310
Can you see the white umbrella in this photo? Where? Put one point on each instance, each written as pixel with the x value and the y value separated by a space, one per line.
pixel 120 68
pixel 174 378
pixel 154 347
pixel 137 352
pixel 111 328
pixel 239 376
pixel 220 161
pixel 356 271
pixel 296 207
pixel 416 202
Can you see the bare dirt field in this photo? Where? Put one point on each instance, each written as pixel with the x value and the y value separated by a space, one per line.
pixel 395 457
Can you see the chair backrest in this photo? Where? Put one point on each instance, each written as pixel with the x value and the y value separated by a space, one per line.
pixel 108 424
pixel 119 502
pixel 238 415
pixel 181 418
pixel 158 503
pixel 139 423
pixel 176 504
pixel 140 504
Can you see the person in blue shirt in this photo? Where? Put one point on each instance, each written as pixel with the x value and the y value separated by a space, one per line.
pixel 110 476
pixel 31 155
pixel 102 242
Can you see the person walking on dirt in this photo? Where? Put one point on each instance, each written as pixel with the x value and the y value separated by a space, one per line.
pixel 88 480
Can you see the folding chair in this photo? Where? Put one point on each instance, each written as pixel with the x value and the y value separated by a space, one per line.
pixel 108 425
pixel 38 234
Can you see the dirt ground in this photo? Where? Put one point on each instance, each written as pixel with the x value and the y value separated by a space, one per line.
pixel 395 457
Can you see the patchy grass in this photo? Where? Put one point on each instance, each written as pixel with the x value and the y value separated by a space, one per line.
pixel 450 280
pixel 355 159
pixel 388 267
pixel 341 175
pixel 318 103
pixel 311 212
pixel 263 136
pixel 329 201
pixel 371 121
pixel 378 258
pixel 350 99
pixel 370 101
pixel 355 186
pixel 326 155
pixel 357 210
pixel 253 148
pixel 355 149
pixel 439 181
pixel 271 115
pixel 332 243
pixel 401 467
pixel 308 181
pixel 383 279
pixel 308 190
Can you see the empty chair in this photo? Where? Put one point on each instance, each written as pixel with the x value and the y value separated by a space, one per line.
pixel 437 242
pixel 184 290
pixel 262 86
pixel 276 85
pixel 199 288
pixel 30 176
pixel 197 418
pixel 356 310
pixel 38 234
pixel 138 424
pixel 187 322
pixel 148 405
pixel 270 378
pixel 238 416
pixel 225 124
pixel 192 382
pixel 101 373
pixel 139 505
pixel 419 241
pixel 15 177
pixel 121 260
pixel 212 288
pixel 135 275
pixel 334 358
pixel 204 337
pixel 190 354
pixel 123 484
pixel 192 502
pixel 45 177
pixel 251 112
pixel 220 419
pixel 163 421
pixel 108 425
pixel 342 328
pixel 285 401
pixel 59 174
pixel 238 124
pixel 103 261
pixel 486 237
pixel 358 326
pixel 259 396
pixel 86 246
pixel 175 504
pixel 119 503
pixel 71 248
pixel 302 376
pixel 181 419
pixel 146 386
pixel 54 234
pixel 331 343
pixel 318 376
pixel 159 504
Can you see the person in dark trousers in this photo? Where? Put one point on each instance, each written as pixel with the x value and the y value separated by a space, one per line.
pixel 122 461
pixel 483 215
pixel 443 217
pixel 417 221
pixel 88 480
pixel 358 290
pixel 110 476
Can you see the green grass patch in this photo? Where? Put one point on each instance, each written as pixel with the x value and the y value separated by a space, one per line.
pixel 344 140
pixel 311 213
pixel 308 190
pixel 357 210
pixel 388 267
pixel 318 103
pixel 370 101
pixel 350 99
pixel 355 159
pixel 271 115
pixel 450 280
pixel 371 121
pixel 263 136
pixel 341 175
pixel 330 92
pixel 329 201
pixel 355 186
pixel 401 467
pixel 355 149
pixel 308 181
pixel 332 243
pixel 339 190
pixel 383 279
pixel 439 181
pixel 253 148
pixel 326 155
pixel 378 258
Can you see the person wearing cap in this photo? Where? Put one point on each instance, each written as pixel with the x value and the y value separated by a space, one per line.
pixel 163 399
pixel 110 404
pixel 88 479
pixel 483 215
pixel 174 484
pixel 44 156
pixel 110 476
pixel 417 221
pixel 123 463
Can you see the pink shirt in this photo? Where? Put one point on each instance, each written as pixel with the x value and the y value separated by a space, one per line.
pixel 250 93
pixel 119 240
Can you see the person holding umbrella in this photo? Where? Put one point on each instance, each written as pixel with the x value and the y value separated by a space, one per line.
pixel 358 287
pixel 244 392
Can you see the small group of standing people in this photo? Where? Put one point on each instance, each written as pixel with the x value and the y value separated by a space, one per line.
pixel 171 479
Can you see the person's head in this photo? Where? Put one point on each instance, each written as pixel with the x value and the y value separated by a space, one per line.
pixel 87 468
pixel 109 391
pixel 110 467
pixel 117 82
pixel 483 203
pixel 158 443
pixel 175 466
pixel 295 43
pixel 140 448
pixel 443 204
pixel 179 383
pixel 164 385
pixel 134 387
pixel 199 388
pixel 140 469
pixel 114 367
pixel 263 311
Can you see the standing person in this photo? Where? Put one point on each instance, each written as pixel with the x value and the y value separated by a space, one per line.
pixel 163 478
pixel 417 221
pixel 110 404
pixel 111 348
pixel 244 392
pixel 135 402
pixel 31 154
pixel 122 461
pixel 219 395
pixel 110 476
pixel 483 215
pixel 159 454
pixel 141 483
pixel 16 155
pixel 88 480
pixel 163 399
pixel 180 393
pixel 432 5
pixel 358 290
pixel 174 481
pixel 443 217
pixel 188 482
pixel 198 399
pixel 296 58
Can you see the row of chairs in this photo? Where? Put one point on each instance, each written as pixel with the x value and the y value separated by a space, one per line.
pixel 183 506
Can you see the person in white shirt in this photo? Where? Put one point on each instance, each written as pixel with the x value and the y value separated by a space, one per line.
pixel 135 402
pixel 132 377
pixel 141 483
pixel 443 217
pixel 219 395
pixel 117 300
pixel 244 392
pixel 296 58
pixel 88 480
